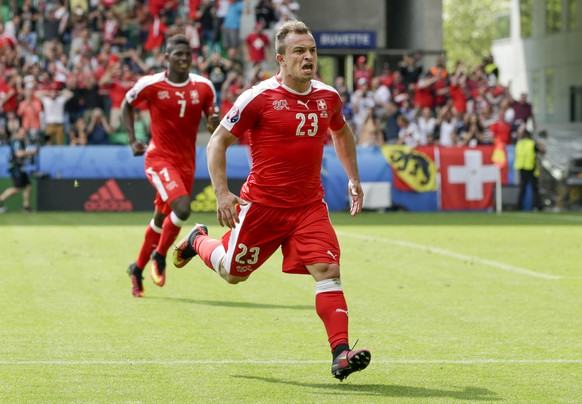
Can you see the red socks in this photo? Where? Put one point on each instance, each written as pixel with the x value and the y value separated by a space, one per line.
pixel 333 311
pixel 151 240
pixel 170 230
pixel 205 246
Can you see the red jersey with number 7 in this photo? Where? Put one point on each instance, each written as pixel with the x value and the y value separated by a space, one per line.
pixel 286 131
pixel 176 111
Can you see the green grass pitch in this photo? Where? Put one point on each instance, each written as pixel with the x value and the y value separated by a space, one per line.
pixel 454 307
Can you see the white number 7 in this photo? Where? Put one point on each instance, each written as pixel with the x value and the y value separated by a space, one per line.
pixel 182 107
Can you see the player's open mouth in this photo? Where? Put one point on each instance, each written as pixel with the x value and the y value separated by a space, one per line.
pixel 308 68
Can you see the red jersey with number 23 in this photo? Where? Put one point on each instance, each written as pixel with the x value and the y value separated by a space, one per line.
pixel 287 132
pixel 176 111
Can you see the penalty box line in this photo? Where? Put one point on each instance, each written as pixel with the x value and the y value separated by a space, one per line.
pixel 452 254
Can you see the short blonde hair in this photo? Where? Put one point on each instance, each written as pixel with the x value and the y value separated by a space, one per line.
pixel 290 27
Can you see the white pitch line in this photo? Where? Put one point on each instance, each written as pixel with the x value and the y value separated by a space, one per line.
pixel 546 216
pixel 287 362
pixel 448 253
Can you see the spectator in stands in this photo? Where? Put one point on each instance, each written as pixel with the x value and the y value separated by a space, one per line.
pixel 411 69
pixel 501 130
pixel 216 69
pixel 265 13
pixel 446 123
pixel 98 129
pixel 426 126
pixel 339 84
pixel 370 132
pixel 439 70
pixel 143 21
pixel 472 134
pixel 362 101
pixel 207 20
pixel 232 87
pixel 222 7
pixel 381 98
pixel 391 127
pixel 408 134
pixel 491 69
pixel 424 96
pixel 29 13
pixel 523 113
pixel 457 90
pixel 386 75
pixel 9 92
pixel 78 133
pixel 257 47
pixel 30 110
pixel 53 102
pixel 362 71
pixel 288 10
pixel 232 22
pixel 121 78
pixel 157 33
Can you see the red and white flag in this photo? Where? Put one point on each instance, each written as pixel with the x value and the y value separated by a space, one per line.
pixel 468 177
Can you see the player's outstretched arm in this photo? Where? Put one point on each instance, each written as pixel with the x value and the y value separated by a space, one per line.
pixel 345 148
pixel 226 201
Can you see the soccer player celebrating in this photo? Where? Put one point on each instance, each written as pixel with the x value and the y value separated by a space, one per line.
pixel 176 100
pixel 281 204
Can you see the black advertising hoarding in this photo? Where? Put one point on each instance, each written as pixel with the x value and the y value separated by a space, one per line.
pixel 116 195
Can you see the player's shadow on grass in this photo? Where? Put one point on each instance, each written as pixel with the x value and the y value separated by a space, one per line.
pixel 245 305
pixel 387 390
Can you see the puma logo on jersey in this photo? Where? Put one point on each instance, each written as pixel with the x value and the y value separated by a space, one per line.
pixel 180 94
pixel 303 103
pixel 334 256
pixel 342 311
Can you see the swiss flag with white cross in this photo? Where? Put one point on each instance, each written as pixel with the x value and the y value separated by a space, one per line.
pixel 467 178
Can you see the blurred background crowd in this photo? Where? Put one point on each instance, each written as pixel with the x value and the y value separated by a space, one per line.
pixel 65 67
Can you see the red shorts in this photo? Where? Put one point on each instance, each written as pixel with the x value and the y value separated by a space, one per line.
pixel 169 183
pixel 305 235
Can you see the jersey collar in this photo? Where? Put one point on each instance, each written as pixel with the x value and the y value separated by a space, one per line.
pixel 290 89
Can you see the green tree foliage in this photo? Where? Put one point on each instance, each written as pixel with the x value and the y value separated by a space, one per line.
pixel 469 29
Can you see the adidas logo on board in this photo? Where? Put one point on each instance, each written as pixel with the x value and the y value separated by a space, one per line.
pixel 108 198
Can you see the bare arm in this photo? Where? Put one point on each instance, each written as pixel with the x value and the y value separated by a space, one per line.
pixel 226 201
pixel 345 148
pixel 128 114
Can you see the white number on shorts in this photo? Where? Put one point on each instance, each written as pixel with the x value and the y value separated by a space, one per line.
pixel 302 119
pixel 253 251
pixel 165 173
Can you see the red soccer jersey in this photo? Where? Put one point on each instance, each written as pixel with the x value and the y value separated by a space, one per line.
pixel 119 88
pixel 501 131
pixel 175 110
pixel 459 98
pixel 257 45
pixel 287 132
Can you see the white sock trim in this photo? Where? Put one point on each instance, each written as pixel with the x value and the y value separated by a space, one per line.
pixel 328 285
pixel 155 228
pixel 176 220
pixel 216 258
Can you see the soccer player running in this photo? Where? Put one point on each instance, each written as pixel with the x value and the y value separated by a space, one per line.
pixel 281 203
pixel 176 100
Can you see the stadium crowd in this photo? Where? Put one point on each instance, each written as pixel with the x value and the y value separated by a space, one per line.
pixel 65 67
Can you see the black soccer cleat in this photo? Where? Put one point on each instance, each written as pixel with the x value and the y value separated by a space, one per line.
pixel 184 251
pixel 349 362
pixel 135 273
